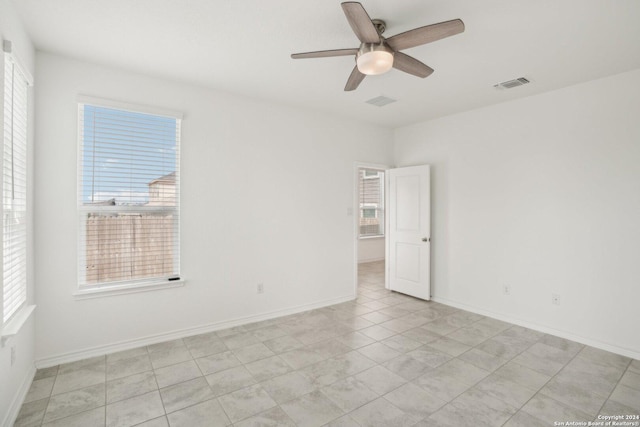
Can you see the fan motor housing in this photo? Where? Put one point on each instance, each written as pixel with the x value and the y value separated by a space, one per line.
pixel 374 58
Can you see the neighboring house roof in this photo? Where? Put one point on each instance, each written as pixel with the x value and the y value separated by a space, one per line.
pixel 168 178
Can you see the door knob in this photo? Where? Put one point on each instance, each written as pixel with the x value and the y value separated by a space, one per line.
pixel 426 239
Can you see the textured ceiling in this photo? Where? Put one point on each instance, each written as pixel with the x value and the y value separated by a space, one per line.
pixel 243 47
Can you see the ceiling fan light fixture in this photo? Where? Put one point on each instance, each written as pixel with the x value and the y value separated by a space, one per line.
pixel 374 58
pixel 377 54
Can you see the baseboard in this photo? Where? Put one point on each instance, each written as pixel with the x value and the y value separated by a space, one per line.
pixel 541 328
pixel 16 404
pixel 181 333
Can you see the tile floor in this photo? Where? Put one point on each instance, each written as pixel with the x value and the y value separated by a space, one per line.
pixel 384 360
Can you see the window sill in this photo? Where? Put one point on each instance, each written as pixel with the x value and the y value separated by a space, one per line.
pixel 15 324
pixel 107 291
pixel 371 237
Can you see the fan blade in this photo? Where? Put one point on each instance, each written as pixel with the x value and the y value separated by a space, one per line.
pixel 360 22
pixel 324 53
pixel 355 79
pixel 424 35
pixel 411 65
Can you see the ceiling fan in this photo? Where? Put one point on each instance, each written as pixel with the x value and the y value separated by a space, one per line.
pixel 376 54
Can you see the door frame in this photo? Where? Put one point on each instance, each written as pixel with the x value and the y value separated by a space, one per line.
pixel 355 209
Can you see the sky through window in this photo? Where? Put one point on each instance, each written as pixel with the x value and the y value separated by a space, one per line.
pixel 123 151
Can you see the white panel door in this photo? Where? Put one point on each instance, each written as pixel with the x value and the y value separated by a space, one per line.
pixel 409 232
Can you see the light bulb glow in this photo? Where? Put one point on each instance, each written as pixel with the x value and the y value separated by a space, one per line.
pixel 373 59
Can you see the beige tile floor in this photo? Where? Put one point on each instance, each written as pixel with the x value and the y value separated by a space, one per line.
pixel 383 360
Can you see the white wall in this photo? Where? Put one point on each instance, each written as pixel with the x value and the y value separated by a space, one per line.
pixel 265 193
pixel 541 194
pixel 14 379
pixel 371 249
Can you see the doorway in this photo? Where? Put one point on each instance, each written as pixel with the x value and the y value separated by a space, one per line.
pixel 370 228
pixel 392 230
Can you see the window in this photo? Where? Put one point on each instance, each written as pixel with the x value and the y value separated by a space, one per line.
pixel 371 189
pixel 14 188
pixel 129 204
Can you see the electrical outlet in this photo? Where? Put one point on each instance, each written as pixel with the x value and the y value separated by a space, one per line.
pixel 555 299
pixel 13 355
pixel 260 288
pixel 506 289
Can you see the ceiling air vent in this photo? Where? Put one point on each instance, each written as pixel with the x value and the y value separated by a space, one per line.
pixel 380 101
pixel 510 84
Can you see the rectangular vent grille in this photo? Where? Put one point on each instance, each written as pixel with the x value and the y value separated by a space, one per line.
pixel 510 84
pixel 380 101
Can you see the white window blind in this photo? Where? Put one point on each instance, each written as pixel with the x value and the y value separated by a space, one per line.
pixel 129 196
pixel 371 189
pixel 14 189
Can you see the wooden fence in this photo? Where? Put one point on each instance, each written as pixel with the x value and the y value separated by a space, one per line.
pixel 128 246
pixel 371 226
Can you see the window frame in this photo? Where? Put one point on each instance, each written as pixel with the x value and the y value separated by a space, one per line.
pixel 82 289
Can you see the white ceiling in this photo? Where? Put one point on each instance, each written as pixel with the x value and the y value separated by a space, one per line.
pixel 243 47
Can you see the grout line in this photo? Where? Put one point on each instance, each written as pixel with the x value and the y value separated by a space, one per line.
pixel 548 381
pixel 616 386
pixel 164 408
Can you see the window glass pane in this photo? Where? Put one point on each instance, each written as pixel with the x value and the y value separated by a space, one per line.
pixel 369 213
pixel 371 194
pixel 127 154
pixel 128 196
